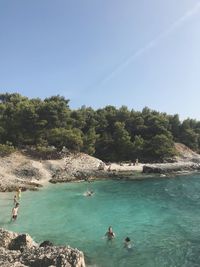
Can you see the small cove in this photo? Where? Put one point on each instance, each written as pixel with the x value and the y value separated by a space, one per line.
pixel 161 216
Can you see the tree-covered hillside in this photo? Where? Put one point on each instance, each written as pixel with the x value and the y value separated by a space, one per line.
pixel 109 133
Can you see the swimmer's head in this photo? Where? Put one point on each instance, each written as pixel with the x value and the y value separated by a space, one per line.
pixel 110 229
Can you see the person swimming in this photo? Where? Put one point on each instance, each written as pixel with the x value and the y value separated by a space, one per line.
pixel 88 193
pixel 110 234
pixel 15 212
pixel 127 243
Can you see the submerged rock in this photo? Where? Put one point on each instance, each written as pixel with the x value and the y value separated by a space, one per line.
pixel 20 250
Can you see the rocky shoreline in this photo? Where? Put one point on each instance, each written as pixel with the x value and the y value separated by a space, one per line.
pixel 169 168
pixel 19 170
pixel 19 250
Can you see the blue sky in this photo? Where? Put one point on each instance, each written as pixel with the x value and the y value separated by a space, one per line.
pixel 104 52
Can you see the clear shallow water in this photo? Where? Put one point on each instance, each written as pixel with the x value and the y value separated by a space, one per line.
pixel 162 216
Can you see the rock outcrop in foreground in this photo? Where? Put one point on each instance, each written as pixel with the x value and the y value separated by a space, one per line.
pixel 20 250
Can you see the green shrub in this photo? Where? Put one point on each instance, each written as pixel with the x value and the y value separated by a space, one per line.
pixel 6 149
pixel 45 152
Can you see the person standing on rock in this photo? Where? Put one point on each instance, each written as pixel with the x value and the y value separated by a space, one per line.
pixel 15 212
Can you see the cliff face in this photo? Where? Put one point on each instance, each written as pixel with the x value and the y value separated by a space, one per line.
pixel 21 250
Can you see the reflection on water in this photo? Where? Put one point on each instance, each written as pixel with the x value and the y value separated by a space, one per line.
pixel 160 216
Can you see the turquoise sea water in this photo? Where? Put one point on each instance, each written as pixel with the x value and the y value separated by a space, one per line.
pixel 161 216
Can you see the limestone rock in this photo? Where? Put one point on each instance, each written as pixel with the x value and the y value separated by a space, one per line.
pixel 46 243
pixel 6 237
pixel 21 242
pixel 165 168
pixel 20 251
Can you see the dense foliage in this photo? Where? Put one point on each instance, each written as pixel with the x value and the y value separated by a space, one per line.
pixel 109 133
pixel 6 149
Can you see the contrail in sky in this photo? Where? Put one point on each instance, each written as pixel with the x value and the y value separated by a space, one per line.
pixel 178 23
